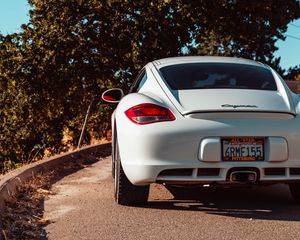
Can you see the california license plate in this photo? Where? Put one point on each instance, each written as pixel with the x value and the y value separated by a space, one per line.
pixel 242 148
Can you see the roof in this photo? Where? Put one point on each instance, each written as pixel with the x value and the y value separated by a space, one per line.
pixel 195 59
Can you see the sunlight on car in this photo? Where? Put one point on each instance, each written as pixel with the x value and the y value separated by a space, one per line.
pixel 205 121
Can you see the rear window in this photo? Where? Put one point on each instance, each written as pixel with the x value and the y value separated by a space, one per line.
pixel 218 75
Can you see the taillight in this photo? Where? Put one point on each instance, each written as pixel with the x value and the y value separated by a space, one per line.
pixel 149 113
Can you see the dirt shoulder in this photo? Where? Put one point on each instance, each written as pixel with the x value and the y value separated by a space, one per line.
pixel 23 217
pixel 79 204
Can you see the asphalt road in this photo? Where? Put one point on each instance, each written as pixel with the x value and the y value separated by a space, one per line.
pixel 83 208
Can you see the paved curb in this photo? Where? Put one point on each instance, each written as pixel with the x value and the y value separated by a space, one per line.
pixel 9 183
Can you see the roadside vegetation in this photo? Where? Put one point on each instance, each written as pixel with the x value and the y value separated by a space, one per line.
pixel 23 217
pixel 71 51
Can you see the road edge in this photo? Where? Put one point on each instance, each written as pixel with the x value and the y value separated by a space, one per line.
pixel 9 183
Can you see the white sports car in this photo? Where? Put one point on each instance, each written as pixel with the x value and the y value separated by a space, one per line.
pixel 204 121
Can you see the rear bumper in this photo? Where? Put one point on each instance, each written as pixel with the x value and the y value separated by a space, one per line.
pixel 146 151
pixel 216 174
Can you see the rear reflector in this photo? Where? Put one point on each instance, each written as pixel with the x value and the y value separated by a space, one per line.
pixel 149 113
pixel 177 172
pixel 295 171
pixel 275 171
pixel 207 172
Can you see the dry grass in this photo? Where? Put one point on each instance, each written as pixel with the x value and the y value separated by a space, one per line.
pixel 23 216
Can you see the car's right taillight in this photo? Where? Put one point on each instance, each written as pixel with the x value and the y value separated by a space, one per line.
pixel 149 113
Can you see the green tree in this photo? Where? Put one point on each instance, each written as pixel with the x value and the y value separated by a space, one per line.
pixel 243 28
pixel 293 74
pixel 18 132
pixel 71 51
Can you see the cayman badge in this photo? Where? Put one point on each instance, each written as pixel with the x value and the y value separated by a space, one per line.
pixel 238 106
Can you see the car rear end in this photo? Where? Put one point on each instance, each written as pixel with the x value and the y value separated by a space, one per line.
pixel 193 150
pixel 234 122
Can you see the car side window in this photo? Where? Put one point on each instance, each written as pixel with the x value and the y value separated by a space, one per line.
pixel 139 82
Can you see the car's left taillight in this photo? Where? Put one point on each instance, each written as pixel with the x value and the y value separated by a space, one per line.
pixel 149 113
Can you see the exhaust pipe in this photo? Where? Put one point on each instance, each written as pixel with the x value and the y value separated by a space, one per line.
pixel 243 177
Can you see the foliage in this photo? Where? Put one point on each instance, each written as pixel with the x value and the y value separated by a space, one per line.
pixel 248 30
pixel 71 51
pixel 293 73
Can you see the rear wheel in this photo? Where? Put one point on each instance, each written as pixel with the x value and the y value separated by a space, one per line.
pixel 295 191
pixel 125 192
pixel 113 164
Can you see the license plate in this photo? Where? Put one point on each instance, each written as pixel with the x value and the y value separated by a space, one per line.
pixel 242 149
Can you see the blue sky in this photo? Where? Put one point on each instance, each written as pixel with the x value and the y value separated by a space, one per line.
pixel 13 13
pixel 289 50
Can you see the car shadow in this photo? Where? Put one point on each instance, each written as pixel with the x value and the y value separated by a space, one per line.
pixel 264 203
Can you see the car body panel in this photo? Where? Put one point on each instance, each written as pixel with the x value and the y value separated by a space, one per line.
pixel 237 99
pixel 187 101
pixel 169 146
pixel 192 141
pixel 198 59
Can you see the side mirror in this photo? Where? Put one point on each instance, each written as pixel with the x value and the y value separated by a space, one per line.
pixel 113 95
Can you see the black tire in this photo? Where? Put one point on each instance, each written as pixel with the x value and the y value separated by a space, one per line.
pixel 125 192
pixel 113 163
pixel 113 169
pixel 295 191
